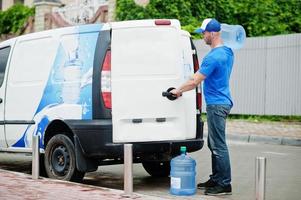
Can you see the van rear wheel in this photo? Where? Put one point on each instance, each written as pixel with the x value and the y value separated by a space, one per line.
pixel 60 159
pixel 157 168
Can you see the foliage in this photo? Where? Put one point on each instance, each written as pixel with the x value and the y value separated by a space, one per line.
pixel 269 17
pixel 259 17
pixel 266 118
pixel 261 118
pixel 171 9
pixel 12 20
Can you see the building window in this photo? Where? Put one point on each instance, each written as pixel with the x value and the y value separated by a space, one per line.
pixel 0 4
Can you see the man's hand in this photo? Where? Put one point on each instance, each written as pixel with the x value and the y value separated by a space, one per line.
pixel 176 92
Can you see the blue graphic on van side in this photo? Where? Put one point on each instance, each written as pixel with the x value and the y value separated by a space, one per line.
pixel 68 92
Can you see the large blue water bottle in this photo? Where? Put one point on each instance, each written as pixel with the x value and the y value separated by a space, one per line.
pixel 233 36
pixel 182 174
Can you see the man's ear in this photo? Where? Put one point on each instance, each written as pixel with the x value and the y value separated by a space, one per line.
pixel 213 34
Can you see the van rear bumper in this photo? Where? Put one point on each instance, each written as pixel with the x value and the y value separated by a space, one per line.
pixel 172 147
pixel 94 138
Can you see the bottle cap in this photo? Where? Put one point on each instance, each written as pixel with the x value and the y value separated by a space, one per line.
pixel 183 149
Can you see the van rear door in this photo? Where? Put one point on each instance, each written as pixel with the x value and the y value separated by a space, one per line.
pixel 147 60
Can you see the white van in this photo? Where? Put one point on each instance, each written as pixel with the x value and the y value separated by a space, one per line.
pixel 87 90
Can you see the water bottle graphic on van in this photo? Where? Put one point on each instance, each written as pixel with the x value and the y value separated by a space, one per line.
pixel 71 71
pixel 233 36
pixel 72 79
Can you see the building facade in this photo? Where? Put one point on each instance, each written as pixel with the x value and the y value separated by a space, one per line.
pixel 51 14
pixel 5 4
pixel 60 13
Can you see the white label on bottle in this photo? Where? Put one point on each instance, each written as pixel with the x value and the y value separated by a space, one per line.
pixel 175 183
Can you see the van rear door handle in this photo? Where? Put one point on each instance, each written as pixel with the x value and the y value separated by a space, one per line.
pixel 1 100
pixel 169 95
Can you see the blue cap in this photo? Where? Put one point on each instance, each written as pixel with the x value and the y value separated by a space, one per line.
pixel 210 25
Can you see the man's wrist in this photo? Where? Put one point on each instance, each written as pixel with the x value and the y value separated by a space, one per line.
pixel 180 91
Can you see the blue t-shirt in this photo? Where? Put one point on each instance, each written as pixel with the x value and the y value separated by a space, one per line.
pixel 217 67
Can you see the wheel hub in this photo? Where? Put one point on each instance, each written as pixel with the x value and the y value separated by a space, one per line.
pixel 60 160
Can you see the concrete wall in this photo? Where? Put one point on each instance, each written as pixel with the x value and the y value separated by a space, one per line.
pixel 68 1
pixel 28 3
pixel 41 9
pixel 6 4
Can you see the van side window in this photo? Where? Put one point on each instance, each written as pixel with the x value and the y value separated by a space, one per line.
pixel 4 53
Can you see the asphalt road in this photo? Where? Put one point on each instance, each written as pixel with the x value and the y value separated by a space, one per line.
pixel 283 172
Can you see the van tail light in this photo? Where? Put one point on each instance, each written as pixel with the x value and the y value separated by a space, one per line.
pixel 195 61
pixel 199 100
pixel 106 81
pixel 162 22
pixel 199 88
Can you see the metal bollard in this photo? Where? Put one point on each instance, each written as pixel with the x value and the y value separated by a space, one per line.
pixel 260 178
pixel 128 170
pixel 35 157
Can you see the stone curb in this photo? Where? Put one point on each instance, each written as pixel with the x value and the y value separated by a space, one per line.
pixel 278 140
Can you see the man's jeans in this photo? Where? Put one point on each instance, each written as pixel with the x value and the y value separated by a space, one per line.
pixel 216 119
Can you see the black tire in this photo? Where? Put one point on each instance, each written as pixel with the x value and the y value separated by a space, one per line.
pixel 157 168
pixel 60 159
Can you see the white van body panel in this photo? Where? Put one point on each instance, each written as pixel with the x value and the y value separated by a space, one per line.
pixel 40 88
pixel 53 113
pixel 142 23
pixel 190 96
pixel 26 81
pixel 147 59
pixel 86 90
pixel 145 62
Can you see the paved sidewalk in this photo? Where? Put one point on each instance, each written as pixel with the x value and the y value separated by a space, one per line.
pixel 14 185
pixel 282 133
pixel 19 186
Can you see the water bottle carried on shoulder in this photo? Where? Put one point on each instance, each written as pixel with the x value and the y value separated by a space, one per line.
pixel 182 174
pixel 233 36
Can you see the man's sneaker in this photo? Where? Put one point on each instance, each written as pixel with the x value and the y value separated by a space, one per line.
pixel 208 184
pixel 219 190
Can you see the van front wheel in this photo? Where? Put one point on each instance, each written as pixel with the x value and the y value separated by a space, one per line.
pixel 157 168
pixel 60 159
